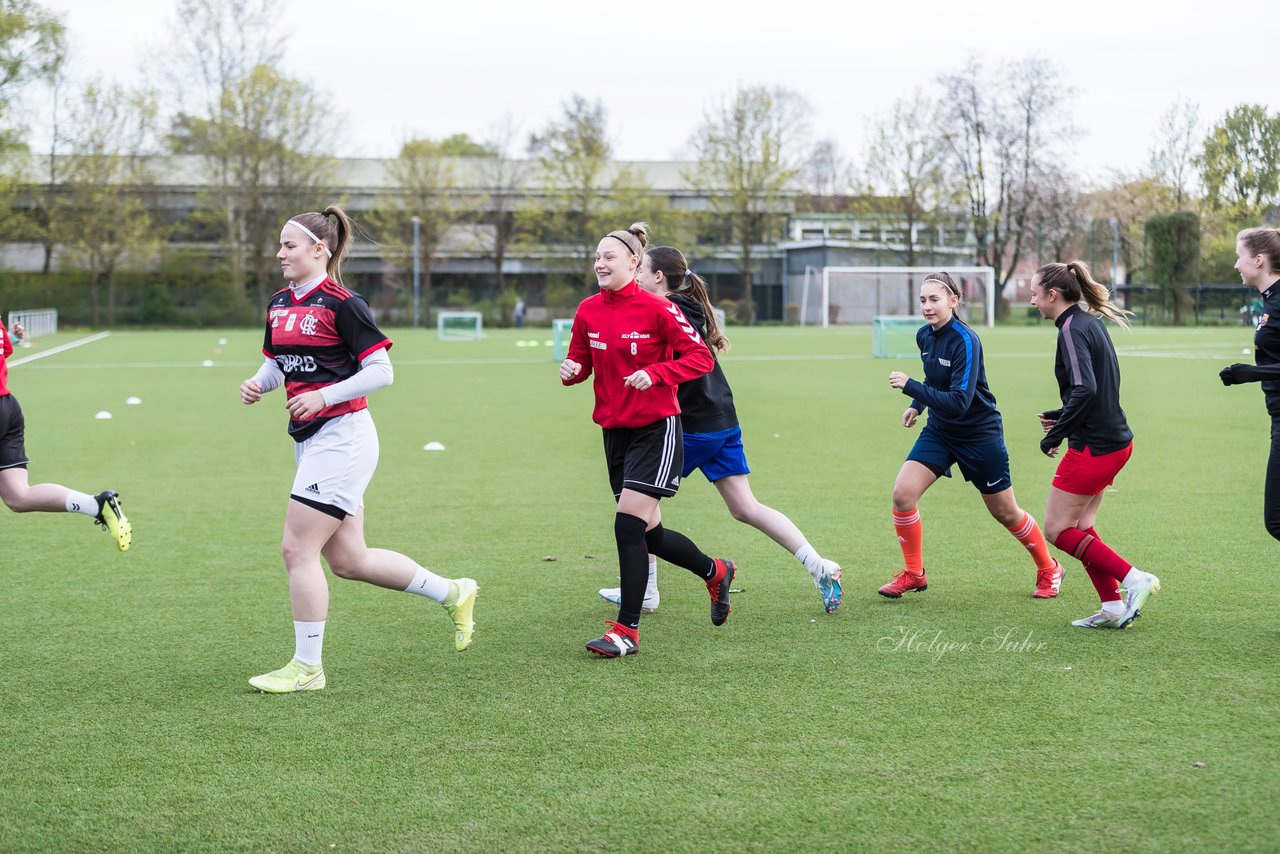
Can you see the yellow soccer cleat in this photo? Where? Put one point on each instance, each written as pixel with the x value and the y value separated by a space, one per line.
pixel 462 612
pixel 294 676
pixel 113 520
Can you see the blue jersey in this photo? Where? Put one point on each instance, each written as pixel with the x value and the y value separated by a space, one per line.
pixel 955 385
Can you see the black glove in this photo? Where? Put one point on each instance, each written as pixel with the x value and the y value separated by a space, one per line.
pixel 1238 373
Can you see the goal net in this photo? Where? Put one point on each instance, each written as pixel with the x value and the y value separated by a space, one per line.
pixel 460 325
pixel 895 337
pixel 843 296
pixel 561 329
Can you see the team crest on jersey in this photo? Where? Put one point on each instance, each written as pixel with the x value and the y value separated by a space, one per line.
pixel 308 325
pixel 1262 321
pixel 946 362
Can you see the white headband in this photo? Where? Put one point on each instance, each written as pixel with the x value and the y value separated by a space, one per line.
pixel 312 235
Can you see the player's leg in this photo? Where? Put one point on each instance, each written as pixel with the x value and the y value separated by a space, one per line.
pixel 914 478
pixel 735 490
pixel 306 529
pixel 350 557
pixel 1004 508
pixel 1271 494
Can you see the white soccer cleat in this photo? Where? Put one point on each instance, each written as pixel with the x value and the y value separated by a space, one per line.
pixel 613 595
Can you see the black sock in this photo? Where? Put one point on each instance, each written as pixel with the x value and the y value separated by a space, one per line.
pixel 633 567
pixel 674 547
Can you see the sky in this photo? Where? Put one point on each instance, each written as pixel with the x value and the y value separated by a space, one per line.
pixel 399 69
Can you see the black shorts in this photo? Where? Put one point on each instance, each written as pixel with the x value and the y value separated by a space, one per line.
pixel 645 459
pixel 13 451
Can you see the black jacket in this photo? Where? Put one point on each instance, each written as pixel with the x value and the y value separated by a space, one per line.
pixel 706 404
pixel 1089 384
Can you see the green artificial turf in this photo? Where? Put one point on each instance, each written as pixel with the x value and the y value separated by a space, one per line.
pixel 966 717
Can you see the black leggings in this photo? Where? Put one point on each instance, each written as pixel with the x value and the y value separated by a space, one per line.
pixel 1271 500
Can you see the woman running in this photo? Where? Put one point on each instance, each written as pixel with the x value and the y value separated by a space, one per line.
pixel 712 435
pixel 629 339
pixel 1258 263
pixel 964 429
pixel 21 496
pixel 323 346
pixel 1099 441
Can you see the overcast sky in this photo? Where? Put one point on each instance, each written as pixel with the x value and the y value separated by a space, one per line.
pixel 400 68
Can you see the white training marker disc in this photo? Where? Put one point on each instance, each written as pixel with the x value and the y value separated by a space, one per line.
pixel 103 415
pixel 1244 352
pixel 207 363
pixel 433 446
pixel 134 401
pixel 222 342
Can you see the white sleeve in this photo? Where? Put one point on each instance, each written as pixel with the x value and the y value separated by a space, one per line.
pixel 269 376
pixel 375 373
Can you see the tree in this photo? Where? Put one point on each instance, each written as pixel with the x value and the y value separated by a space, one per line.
pixel 1006 131
pixel 423 178
pixel 1240 161
pixel 103 221
pixel 1174 155
pixel 32 47
pixel 906 159
pixel 748 151
pixel 1059 214
pixel 266 148
pixel 583 194
pixel 1174 240
pixel 503 177
pixel 827 176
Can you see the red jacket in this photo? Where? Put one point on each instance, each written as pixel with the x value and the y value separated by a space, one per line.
pixel 615 334
pixel 6 350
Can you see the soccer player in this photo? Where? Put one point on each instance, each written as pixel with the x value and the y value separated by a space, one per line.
pixel 1098 438
pixel 1258 263
pixel 323 346
pixel 712 435
pixel 18 494
pixel 629 339
pixel 964 429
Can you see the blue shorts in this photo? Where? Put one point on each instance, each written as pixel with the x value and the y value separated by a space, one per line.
pixel 719 454
pixel 986 466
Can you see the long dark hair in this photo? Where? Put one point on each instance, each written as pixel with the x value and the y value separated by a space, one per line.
pixel 681 280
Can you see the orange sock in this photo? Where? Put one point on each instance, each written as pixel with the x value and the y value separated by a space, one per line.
pixel 1028 533
pixel 911 538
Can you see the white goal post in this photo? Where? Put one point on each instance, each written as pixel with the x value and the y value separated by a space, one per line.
pixel 845 296
pixel 460 325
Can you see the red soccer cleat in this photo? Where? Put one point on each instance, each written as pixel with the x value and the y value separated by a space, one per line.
pixel 904 581
pixel 1049 581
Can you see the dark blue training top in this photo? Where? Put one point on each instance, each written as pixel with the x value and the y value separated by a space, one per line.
pixel 955 385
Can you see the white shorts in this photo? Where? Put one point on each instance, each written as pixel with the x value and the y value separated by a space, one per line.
pixel 337 463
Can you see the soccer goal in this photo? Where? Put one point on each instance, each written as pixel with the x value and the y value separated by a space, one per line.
pixel 460 325
pixel 843 296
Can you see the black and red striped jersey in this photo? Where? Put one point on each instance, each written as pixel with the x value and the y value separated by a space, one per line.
pixel 319 340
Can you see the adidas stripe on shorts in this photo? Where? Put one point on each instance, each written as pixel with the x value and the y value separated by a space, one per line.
pixel 337 463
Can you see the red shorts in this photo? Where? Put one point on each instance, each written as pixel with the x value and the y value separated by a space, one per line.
pixel 1086 473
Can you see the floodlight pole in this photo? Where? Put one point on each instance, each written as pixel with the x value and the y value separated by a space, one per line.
pixel 417 268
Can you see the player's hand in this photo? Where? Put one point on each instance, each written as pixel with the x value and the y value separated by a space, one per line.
pixel 1049 450
pixel 909 417
pixel 18 330
pixel 1046 423
pixel 639 381
pixel 1232 374
pixel 897 379
pixel 569 369
pixel 305 406
pixel 250 392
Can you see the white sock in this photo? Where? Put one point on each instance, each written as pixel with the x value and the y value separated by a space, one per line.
pixel 79 502
pixel 427 583
pixel 811 559
pixel 652 589
pixel 1115 609
pixel 1133 576
pixel 308 640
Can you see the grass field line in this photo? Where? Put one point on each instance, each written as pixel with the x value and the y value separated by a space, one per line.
pixel 88 339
